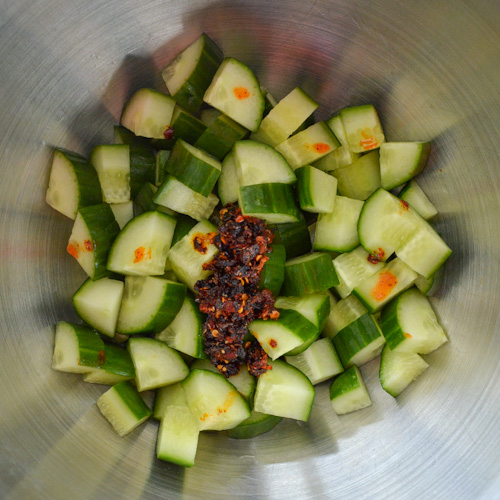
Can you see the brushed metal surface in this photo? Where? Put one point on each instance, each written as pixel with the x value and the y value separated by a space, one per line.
pixel 432 69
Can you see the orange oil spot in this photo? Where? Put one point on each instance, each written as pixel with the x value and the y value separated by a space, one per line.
pixel 141 253
pixel 73 250
pixel 200 241
pixel 404 205
pixel 273 343
pixel 88 245
pixel 321 147
pixel 386 282
pixel 368 142
pixel 408 336
pixel 241 93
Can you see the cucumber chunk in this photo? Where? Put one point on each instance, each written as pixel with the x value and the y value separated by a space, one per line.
pixel 362 127
pixel 273 272
pixel 319 362
pixel 178 436
pixel 285 118
pixel 155 363
pixel 315 307
pixel 381 287
pixel 284 391
pixel 174 195
pixel 258 163
pixel 91 239
pixel 189 254
pixel 341 156
pixel 214 402
pixel 255 425
pixel 98 303
pixel 359 179
pixel 148 113
pixel 117 367
pixel 168 395
pixel 399 369
pixel 236 92
pixel 123 407
pixel 274 203
pixel 309 145
pixel 316 190
pixel 144 201
pixel 353 268
pixel 348 392
pixel 149 304
pixel 359 342
pixel 429 286
pixel 185 332
pixel 294 236
pixel 186 126
pixel 338 231
pixel 142 246
pixel 228 187
pixel 410 324
pixel 123 212
pixel 73 184
pixel 401 161
pixel 309 273
pixel 112 164
pixel 342 314
pixel 278 337
pixel 183 226
pixel 161 163
pixel 77 349
pixel 413 194
pixel 193 167
pixel 188 76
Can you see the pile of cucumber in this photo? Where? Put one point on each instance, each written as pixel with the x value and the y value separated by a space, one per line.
pixel 351 264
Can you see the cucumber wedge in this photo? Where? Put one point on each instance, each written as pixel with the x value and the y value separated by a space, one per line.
pixel 123 407
pixel 315 307
pixel 342 314
pixel 273 272
pixel 255 425
pixel 214 402
pixel 142 246
pixel 168 395
pixel 73 184
pixel 188 76
pixel 294 236
pixel 413 194
pixel 123 212
pixel 236 92
pixel 284 391
pixel 186 126
pixel 362 127
pixel 117 367
pixel 348 392
pixel 228 187
pixel 399 369
pixel 316 189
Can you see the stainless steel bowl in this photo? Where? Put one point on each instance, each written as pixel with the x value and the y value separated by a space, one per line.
pixel 432 69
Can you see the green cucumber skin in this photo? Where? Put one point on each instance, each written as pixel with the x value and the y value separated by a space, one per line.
pixel 130 396
pixel 220 136
pixel 118 361
pixel 345 382
pixel 294 236
pixel 183 226
pixel 143 201
pixel 184 166
pixel 161 159
pixel 103 229
pixel 300 281
pixel 171 305
pixel 390 324
pixel 90 346
pixel 187 127
pixel 270 198
pixel 89 187
pixel 273 272
pixel 346 341
pixel 253 426
pixel 190 95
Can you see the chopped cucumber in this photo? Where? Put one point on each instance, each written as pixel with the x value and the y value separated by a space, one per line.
pixel 174 195
pixel 188 76
pixel 274 203
pixel 214 402
pixel 255 425
pixel 315 307
pixel 98 303
pixel 142 246
pixel 148 113
pixel 273 272
pixel 309 145
pixel 285 118
pixel 155 363
pixel 309 273
pixel 186 126
pixel 178 436
pixel 316 190
pixel 161 163
pixel 117 367
pixel 91 239
pixel 362 127
pixel 401 161
pixel 228 187
pixel 399 369
pixel 73 184
pixel 338 231
pixel 185 332
pixel 429 286
pixel 284 391
pixel 236 92
pixel 348 392
pixel 168 395
pixel 410 324
pixel 319 362
pixel 343 313
pixel 143 202
pixel 359 179
pixel 123 407
pixel 149 304
pixel 193 167
pixel 258 163
pixel 123 212
pixel 294 236
pixel 388 282
pixel 112 164
pixel 77 349
pixel 413 194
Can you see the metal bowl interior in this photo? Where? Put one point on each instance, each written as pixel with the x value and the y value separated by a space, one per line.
pixel 432 70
